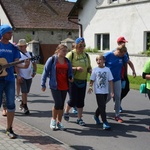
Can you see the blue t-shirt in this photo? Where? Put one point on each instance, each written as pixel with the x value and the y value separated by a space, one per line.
pixel 115 64
pixel 10 53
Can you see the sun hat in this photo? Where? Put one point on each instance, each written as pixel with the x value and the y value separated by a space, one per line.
pixel 79 40
pixel 4 29
pixel 22 42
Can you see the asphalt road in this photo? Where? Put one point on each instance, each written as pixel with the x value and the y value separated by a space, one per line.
pixel 132 134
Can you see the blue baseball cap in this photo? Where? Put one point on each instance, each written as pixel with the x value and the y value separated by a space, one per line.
pixel 79 40
pixel 4 29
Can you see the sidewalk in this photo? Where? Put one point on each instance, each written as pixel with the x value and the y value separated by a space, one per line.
pixel 29 138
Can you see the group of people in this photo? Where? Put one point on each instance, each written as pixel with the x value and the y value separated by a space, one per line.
pixel 67 73
pixel 14 55
pixel 108 78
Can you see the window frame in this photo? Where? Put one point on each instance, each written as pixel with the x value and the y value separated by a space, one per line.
pixel 102 42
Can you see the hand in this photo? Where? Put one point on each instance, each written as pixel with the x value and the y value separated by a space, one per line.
pixel 43 89
pixel 112 94
pixel 80 69
pixel 33 75
pixel 90 90
pixel 134 74
pixel 27 63
pixel 71 80
pixel 20 79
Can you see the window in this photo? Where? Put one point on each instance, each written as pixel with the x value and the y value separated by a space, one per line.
pixel 113 1
pixel 148 40
pixel 102 41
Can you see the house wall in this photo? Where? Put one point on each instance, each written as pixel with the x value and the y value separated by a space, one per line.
pixel 130 21
pixel 4 19
pixel 44 36
pixel 137 60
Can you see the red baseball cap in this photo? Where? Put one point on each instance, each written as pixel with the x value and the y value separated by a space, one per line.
pixel 121 39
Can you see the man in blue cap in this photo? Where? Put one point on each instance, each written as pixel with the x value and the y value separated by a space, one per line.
pixel 8 54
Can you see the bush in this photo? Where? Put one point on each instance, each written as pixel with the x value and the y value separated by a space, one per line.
pixel 90 50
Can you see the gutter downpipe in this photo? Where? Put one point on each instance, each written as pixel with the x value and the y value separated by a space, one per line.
pixel 80 27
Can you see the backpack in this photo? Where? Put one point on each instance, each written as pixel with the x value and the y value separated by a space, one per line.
pixel 73 55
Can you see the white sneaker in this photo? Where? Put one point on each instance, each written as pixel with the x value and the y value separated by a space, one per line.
pixel 18 98
pixel 53 124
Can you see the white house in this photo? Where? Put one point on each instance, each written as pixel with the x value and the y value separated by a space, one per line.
pixel 103 21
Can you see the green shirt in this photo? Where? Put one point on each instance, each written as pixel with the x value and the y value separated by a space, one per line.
pixel 79 60
pixel 147 70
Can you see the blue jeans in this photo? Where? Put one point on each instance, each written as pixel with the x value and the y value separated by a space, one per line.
pixel 9 88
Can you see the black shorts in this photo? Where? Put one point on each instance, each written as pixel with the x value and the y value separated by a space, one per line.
pixel 77 95
pixel 25 85
pixel 59 97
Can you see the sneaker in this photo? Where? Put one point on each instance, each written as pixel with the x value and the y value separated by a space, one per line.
pixel 25 109
pixel 106 126
pixel 118 119
pixel 11 133
pixel 74 110
pixel 18 98
pixel 81 122
pixel 53 124
pixel 21 106
pixel 97 121
pixel 66 116
pixel 60 126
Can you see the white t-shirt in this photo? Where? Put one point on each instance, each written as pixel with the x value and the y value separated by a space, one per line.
pixel 101 78
pixel 26 73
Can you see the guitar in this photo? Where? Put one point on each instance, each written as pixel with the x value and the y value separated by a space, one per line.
pixel 4 64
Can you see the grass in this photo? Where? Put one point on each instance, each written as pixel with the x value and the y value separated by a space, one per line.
pixel 40 68
pixel 134 82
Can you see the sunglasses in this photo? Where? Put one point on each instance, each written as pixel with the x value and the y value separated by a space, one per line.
pixel 82 45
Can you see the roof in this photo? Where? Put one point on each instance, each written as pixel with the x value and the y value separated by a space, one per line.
pixel 75 10
pixel 38 14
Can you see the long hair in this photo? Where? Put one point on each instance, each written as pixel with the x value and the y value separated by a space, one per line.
pixel 60 46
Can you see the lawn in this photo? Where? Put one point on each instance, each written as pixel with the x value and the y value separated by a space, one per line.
pixel 134 82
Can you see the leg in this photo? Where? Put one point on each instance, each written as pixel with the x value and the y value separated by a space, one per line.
pixel 117 96
pixel 101 102
pixel 80 104
pixel 125 91
pixel 10 97
pixel 4 111
pixel 72 100
pixel 57 113
pixel 18 90
pixel 25 88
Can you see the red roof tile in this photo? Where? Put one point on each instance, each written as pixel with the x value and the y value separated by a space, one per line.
pixel 45 14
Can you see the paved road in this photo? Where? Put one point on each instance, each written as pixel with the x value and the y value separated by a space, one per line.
pixel 132 134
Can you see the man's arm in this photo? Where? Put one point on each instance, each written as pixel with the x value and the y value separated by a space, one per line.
pixel 132 68
pixel 26 65
pixel 34 69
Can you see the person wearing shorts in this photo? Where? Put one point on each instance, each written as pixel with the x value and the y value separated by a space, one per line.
pixel 24 76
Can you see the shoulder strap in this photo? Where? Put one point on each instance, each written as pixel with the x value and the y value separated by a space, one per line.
pixel 31 54
pixel 72 55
